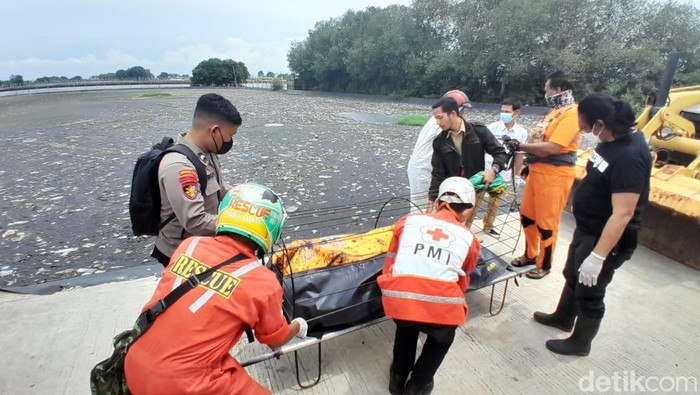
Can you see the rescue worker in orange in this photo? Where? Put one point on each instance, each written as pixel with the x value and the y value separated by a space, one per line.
pixel 551 157
pixel 186 351
pixel 423 283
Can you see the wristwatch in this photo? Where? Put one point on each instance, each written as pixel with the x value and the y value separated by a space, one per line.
pixel 496 169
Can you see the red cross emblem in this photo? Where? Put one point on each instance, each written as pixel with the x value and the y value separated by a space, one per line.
pixel 433 234
pixel 437 234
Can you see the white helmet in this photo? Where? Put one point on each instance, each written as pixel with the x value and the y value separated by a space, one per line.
pixel 460 189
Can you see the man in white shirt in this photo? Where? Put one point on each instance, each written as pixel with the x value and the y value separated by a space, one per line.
pixel 506 126
pixel 419 166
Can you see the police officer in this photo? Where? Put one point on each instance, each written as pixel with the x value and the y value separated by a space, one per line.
pixel 423 283
pixel 608 204
pixel 186 210
pixel 186 351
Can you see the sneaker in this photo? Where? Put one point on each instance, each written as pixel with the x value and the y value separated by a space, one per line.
pixel 494 232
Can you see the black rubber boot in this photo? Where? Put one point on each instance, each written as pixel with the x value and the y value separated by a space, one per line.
pixel 563 317
pixel 413 389
pixel 396 382
pixel 579 343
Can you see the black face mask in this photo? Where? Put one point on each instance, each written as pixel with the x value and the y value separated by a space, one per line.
pixel 225 146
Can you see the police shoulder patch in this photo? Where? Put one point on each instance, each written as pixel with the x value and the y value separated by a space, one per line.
pixel 189 183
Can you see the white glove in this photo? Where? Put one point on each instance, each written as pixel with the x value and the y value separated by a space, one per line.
pixel 590 269
pixel 303 327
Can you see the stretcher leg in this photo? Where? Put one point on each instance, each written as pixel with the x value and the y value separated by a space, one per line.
pixel 503 298
pixel 296 369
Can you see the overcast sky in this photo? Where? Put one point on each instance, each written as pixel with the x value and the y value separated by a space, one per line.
pixel 90 37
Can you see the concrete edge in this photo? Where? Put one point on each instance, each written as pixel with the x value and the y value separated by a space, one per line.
pixel 48 288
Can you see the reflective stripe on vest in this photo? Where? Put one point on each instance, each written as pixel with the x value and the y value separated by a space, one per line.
pixel 422 297
pixel 209 293
pixel 190 250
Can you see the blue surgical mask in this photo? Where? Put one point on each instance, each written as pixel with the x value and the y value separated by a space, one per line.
pixel 506 117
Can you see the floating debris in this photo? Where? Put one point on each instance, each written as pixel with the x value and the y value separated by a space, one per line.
pixel 64 251
pixel 80 178
pixel 13 235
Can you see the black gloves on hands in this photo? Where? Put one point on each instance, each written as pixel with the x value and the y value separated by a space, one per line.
pixel 511 145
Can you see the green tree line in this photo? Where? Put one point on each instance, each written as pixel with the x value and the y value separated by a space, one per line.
pixel 497 48
pixel 219 72
pixel 132 73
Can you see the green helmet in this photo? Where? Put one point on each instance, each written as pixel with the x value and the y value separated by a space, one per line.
pixel 496 187
pixel 253 211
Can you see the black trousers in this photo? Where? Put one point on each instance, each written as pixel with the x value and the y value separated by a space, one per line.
pixel 590 300
pixel 160 257
pixel 440 338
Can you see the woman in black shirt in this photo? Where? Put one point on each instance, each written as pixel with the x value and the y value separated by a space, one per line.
pixel 607 207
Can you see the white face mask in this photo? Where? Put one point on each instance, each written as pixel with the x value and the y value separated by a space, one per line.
pixel 591 138
pixel 588 140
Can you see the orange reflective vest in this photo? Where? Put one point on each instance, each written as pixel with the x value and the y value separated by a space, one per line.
pixel 559 126
pixel 427 269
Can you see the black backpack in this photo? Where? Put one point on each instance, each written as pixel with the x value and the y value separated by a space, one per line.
pixel 144 202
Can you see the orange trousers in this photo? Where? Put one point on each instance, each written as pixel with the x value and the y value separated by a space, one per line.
pixel 544 199
pixel 148 378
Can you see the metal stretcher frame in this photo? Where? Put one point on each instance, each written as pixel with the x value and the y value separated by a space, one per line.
pixel 298 344
pixel 507 208
pixel 511 273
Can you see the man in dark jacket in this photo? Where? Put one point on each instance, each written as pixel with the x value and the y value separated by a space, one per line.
pixel 459 149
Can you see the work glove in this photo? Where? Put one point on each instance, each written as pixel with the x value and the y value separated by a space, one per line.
pixel 512 145
pixel 590 269
pixel 303 327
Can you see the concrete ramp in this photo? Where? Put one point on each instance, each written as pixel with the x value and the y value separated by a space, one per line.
pixel 50 342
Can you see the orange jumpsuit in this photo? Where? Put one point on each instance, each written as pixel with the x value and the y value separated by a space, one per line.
pixel 186 350
pixel 547 186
